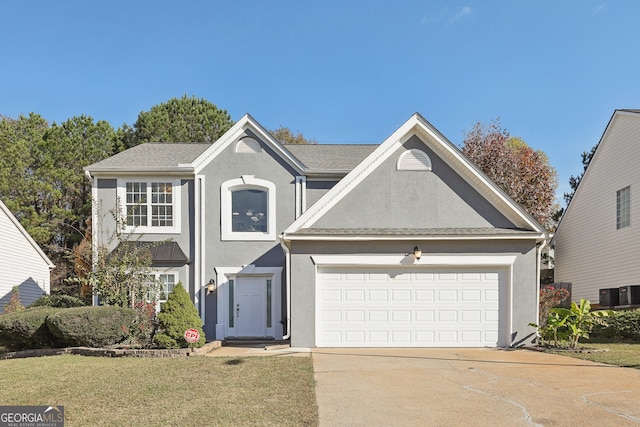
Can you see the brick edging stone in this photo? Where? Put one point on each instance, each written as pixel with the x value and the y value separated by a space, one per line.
pixel 111 352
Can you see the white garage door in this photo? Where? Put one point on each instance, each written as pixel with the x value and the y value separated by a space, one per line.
pixel 407 307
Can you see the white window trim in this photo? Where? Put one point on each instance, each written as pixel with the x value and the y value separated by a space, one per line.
pixel 121 192
pixel 247 182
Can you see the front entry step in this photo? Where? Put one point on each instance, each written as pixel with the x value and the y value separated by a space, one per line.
pixel 253 342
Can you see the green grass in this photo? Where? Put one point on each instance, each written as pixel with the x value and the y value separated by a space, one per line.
pixel 202 391
pixel 627 355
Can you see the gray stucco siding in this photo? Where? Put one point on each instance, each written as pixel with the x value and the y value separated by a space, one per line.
pixel 317 189
pixel 265 165
pixel 107 202
pixel 439 198
pixel 524 284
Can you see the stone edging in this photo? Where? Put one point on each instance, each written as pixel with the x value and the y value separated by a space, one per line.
pixel 112 352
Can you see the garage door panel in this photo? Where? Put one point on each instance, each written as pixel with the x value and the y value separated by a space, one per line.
pixel 401 295
pixel 358 308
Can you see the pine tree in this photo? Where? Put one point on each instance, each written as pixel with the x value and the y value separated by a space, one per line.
pixel 176 316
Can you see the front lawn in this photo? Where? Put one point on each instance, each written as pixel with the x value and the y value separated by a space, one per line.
pixel 199 390
pixel 627 355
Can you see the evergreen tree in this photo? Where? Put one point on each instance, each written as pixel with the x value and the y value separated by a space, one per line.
pixel 178 120
pixel 176 316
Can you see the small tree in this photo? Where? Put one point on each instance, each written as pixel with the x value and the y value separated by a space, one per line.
pixel 123 276
pixel 176 316
pixel 14 303
pixel 286 136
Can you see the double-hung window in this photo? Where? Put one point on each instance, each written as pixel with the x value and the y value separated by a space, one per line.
pixel 150 206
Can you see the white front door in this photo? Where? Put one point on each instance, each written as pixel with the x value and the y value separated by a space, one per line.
pixel 251 307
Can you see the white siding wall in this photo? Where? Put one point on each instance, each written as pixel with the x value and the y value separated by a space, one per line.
pixel 590 252
pixel 20 265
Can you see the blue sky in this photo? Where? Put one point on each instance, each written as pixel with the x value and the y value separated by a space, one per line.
pixel 337 71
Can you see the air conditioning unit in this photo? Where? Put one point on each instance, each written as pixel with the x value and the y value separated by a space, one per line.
pixel 629 295
pixel 609 297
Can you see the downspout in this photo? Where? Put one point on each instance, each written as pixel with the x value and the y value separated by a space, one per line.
pixel 539 248
pixel 287 260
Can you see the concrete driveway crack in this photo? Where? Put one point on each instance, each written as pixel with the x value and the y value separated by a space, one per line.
pixel 495 379
pixel 586 400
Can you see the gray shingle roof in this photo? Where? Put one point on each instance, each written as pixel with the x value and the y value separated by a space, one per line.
pixel 159 155
pixel 320 157
pixel 152 155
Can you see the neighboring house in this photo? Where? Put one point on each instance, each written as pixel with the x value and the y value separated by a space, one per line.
pixel 23 263
pixel 598 238
pixel 316 242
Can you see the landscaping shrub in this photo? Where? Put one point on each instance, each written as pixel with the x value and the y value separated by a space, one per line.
pixel 62 301
pixel 622 326
pixel 144 325
pixel 92 326
pixel 176 316
pixel 27 329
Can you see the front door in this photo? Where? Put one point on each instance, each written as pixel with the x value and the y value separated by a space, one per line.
pixel 251 307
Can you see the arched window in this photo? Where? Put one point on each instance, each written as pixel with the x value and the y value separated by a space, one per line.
pixel 414 160
pixel 248 209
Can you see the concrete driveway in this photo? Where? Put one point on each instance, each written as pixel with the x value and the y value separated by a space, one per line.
pixel 471 387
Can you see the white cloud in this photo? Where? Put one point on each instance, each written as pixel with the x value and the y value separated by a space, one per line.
pixel 466 10
pixel 599 8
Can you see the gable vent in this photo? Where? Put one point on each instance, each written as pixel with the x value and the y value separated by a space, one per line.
pixel 414 160
pixel 248 146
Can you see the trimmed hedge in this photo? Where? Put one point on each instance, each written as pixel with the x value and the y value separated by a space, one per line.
pixel 27 329
pixel 62 301
pixel 92 326
pixel 622 326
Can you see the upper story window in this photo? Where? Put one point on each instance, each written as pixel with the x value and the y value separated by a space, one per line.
pixel 414 160
pixel 150 206
pixel 247 209
pixel 623 207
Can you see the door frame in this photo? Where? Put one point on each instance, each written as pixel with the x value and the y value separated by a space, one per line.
pixel 225 274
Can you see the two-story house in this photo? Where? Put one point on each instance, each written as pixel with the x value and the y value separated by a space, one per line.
pixel 405 243
pixel 597 238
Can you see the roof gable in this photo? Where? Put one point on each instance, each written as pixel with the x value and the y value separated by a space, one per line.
pixel 614 149
pixel 232 135
pixel 444 150
pixel 27 236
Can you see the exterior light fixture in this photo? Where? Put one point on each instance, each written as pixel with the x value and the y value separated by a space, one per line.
pixel 211 286
pixel 417 253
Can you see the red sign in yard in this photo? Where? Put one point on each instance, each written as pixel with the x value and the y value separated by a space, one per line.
pixel 191 335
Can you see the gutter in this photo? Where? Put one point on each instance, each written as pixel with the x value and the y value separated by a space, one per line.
pixel 287 267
